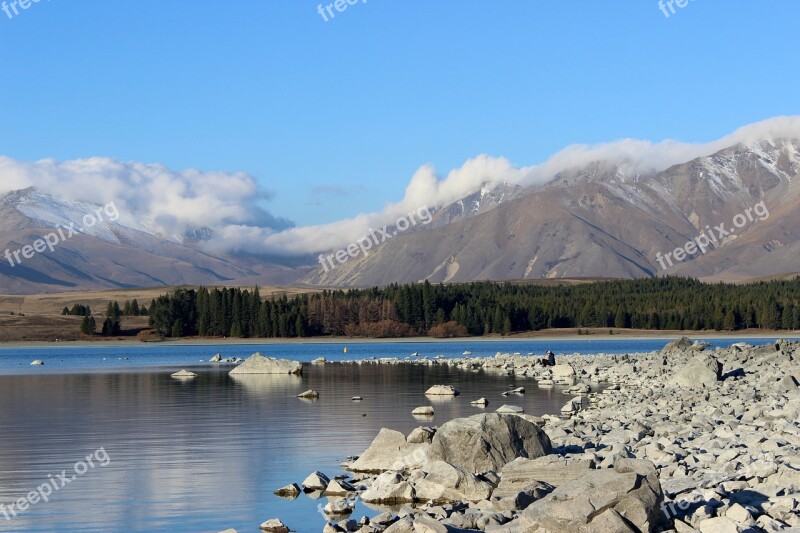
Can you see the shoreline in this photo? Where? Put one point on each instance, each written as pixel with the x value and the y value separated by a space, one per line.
pixel 548 335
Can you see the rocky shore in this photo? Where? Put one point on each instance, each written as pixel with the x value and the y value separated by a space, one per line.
pixel 685 439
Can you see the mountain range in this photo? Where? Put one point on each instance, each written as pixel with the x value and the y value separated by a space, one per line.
pixel 593 221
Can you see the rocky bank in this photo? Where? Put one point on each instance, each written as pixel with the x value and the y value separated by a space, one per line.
pixel 685 439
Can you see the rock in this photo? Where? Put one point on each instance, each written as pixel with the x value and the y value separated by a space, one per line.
pixel 488 441
pixel 216 358
pixel 442 390
pixel 274 525
pixel 309 395
pixel 357 398
pixel 720 524
pixel 37 362
pixel 701 370
pixel 389 488
pixel 229 531
pixel 426 410
pixel 608 521
pixel 338 488
pixel 390 450
pixel 510 409
pixel 184 374
pixel 631 489
pixel 289 491
pixel 319 361
pixel 315 481
pixel 445 483
pixel 258 364
pixel 526 474
pixel 518 390
pixel 562 371
pixel 421 435
pixel 483 402
pixel 339 506
pixel 683 343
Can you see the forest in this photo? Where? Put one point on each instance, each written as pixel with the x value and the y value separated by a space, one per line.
pixel 472 309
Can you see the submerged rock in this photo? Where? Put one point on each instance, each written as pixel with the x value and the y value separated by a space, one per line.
pixel 184 374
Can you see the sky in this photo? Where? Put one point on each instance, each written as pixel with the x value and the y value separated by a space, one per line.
pixel 331 120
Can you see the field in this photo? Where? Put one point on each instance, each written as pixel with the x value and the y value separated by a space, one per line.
pixel 39 318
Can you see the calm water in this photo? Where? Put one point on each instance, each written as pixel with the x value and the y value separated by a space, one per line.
pixel 205 455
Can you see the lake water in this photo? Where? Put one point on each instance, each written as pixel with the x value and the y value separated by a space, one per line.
pixel 205 455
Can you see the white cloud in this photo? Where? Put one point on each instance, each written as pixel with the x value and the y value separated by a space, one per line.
pixel 227 202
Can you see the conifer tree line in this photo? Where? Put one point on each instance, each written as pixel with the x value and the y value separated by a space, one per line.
pixel 480 308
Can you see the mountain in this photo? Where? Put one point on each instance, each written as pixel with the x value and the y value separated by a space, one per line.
pixel 598 222
pixel 113 252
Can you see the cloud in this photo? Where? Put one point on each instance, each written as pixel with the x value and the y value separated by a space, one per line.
pixel 229 202
pixel 164 201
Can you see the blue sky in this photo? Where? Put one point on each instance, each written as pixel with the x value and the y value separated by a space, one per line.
pixel 334 117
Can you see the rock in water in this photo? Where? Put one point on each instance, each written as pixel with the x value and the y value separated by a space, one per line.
pixel 274 525
pixel 309 394
pixel 488 441
pixel 216 359
pixel 338 488
pixel 184 374
pixel 701 370
pixel 316 481
pixel 425 410
pixel 483 402
pixel 258 364
pixel 37 362
pixel 442 390
pixel 289 491
pixel 510 409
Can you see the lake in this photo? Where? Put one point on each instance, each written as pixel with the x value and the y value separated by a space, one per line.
pixel 205 455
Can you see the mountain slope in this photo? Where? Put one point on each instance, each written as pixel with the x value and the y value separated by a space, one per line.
pixel 597 222
pixel 109 254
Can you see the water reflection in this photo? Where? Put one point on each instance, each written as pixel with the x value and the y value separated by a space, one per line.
pixel 205 454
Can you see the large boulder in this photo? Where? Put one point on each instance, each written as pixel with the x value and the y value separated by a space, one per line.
pixel 631 489
pixel 445 483
pixel 442 390
pixel 390 451
pixel 702 370
pixel 258 364
pixel 488 441
pixel 563 371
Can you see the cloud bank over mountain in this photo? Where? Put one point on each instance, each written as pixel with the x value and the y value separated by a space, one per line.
pixel 168 202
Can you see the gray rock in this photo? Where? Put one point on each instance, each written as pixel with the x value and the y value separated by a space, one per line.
pixel 442 390
pixel 632 489
pixel 289 491
pixel 338 488
pixel 445 483
pixel 701 370
pixel 425 410
pixel 488 441
pixel 258 364
pixel 184 374
pixel 37 362
pixel 316 481
pixel 390 450
pixel 274 525
pixel 309 395
pixel 389 488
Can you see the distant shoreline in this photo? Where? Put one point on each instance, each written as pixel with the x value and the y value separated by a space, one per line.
pixel 548 335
